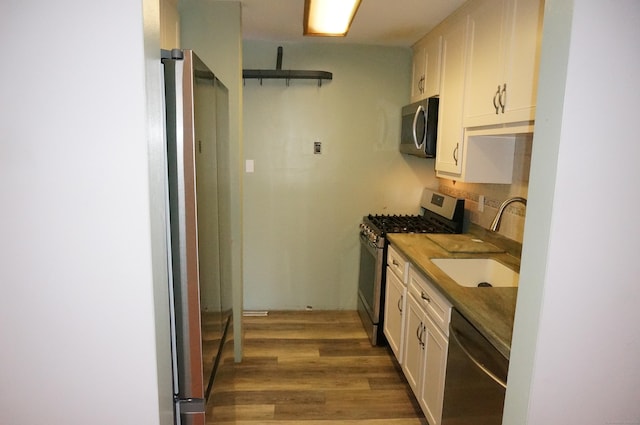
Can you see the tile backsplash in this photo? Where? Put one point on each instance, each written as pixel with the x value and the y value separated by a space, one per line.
pixel 512 225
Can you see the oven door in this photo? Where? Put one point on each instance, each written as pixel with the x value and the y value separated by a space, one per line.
pixel 370 285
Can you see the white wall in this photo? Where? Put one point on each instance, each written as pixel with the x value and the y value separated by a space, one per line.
pixel 77 303
pixel 576 340
pixel 302 211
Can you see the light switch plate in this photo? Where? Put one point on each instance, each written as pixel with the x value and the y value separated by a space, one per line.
pixel 248 166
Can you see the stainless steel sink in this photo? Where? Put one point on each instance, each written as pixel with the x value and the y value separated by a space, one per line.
pixel 477 272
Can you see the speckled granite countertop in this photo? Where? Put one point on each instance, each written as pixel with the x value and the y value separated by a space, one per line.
pixel 490 310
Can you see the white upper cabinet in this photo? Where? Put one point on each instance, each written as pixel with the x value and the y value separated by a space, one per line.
pixel 450 131
pixel 434 64
pixel 485 157
pixel 502 63
pixel 426 68
pixel 419 71
pixel 490 55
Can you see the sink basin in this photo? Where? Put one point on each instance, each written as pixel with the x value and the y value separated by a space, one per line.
pixel 477 272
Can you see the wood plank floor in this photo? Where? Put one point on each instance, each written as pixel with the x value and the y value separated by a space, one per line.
pixel 311 368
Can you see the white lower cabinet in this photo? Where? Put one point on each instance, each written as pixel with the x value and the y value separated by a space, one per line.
pixel 394 313
pixel 431 394
pixel 394 306
pixel 426 342
pixel 413 343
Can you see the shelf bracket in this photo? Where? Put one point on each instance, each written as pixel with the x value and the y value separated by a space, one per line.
pixel 286 75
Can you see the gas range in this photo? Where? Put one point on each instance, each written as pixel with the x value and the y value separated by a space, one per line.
pixel 375 227
pixel 439 213
pixel 380 225
pixel 383 224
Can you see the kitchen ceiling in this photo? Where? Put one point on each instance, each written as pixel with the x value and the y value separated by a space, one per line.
pixel 377 22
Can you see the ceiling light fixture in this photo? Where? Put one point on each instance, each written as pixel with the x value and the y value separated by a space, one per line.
pixel 329 18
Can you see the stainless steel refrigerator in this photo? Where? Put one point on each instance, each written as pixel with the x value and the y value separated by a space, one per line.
pixel 196 106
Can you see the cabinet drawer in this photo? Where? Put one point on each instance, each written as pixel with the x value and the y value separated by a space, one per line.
pixel 436 305
pixel 398 264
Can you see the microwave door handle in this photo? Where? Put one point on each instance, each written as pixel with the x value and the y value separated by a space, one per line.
pixel 415 122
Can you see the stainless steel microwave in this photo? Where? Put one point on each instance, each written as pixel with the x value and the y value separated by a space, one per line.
pixel 420 128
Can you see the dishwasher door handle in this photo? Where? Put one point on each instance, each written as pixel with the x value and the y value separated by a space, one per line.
pixel 483 368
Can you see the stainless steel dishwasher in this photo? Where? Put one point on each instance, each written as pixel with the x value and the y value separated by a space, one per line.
pixel 476 377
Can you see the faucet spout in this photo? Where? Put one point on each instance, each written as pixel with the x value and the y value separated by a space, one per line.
pixel 495 225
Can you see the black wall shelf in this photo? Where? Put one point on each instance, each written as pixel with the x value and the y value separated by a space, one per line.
pixel 285 74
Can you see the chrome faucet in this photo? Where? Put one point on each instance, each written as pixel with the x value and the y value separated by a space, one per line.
pixel 495 225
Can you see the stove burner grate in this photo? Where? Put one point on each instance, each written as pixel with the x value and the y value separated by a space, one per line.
pixel 407 224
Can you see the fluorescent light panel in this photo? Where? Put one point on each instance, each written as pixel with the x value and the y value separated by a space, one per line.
pixel 329 17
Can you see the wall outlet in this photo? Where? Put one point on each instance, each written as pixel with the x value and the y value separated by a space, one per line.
pixel 317 148
pixel 481 203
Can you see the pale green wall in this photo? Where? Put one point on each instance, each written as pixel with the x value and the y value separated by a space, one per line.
pixel 213 30
pixel 302 211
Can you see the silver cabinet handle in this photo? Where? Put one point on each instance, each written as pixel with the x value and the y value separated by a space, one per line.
pixel 415 135
pixel 495 100
pixel 395 263
pixel 455 153
pixel 400 304
pixel 503 97
pixel 425 297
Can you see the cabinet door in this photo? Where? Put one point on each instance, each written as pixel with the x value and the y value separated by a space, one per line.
pixel 450 132
pixel 485 69
pixel 413 354
pixel 433 64
pixel 393 313
pixel 503 58
pixel 431 394
pixel 419 71
pixel 523 59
